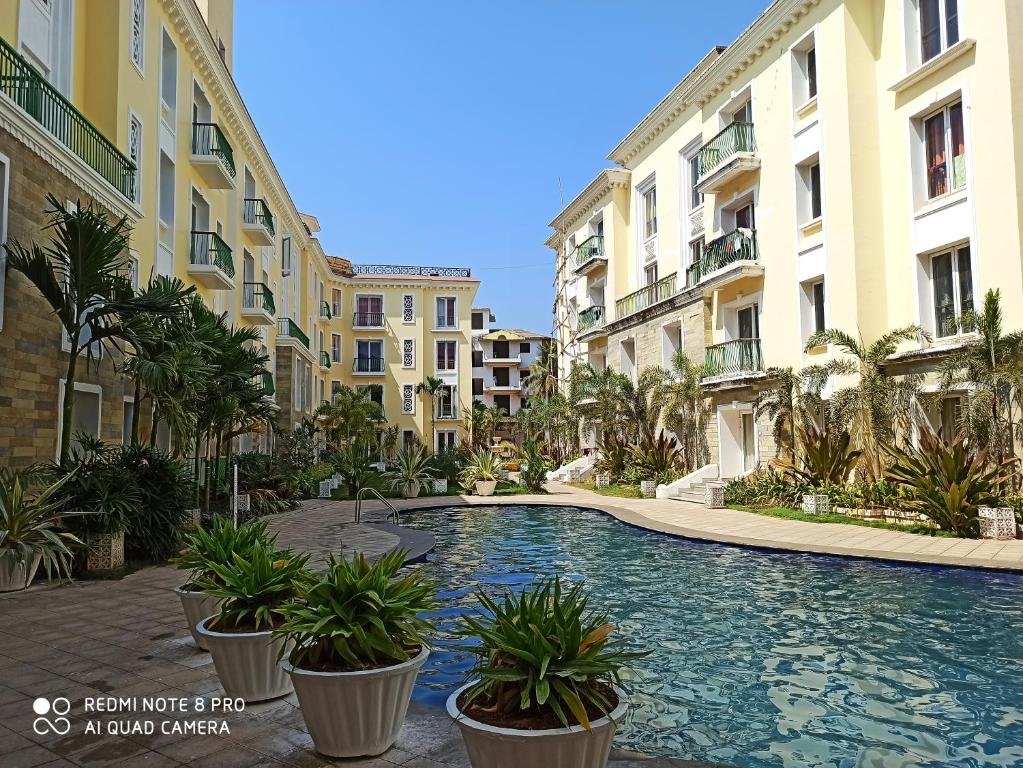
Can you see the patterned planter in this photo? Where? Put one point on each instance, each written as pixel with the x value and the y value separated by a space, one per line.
pixel 603 481
pixel 105 551
pixel 573 475
pixel 997 522
pixel 648 488
pixel 714 497
pixel 816 504
pixel 325 489
pixel 440 486
pixel 244 502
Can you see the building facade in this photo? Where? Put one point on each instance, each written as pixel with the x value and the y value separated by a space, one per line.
pixel 130 105
pixel 846 164
pixel 501 360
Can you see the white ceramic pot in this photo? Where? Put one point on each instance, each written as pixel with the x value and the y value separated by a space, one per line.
pixel 15 575
pixel 410 490
pixel 197 606
pixel 486 487
pixel 246 663
pixel 492 747
pixel 355 714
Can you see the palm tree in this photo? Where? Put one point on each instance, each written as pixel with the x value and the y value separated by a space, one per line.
pixel 641 405
pixel 542 381
pixel 789 403
pixel 351 416
pixel 685 410
pixel 598 393
pixel 431 387
pixel 83 274
pixel 876 409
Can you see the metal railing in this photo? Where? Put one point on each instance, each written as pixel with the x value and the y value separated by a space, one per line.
pixel 258 296
pixel 208 248
pixel 288 327
pixel 360 497
pixel 256 211
pixel 325 310
pixel 733 357
pixel 402 269
pixel 267 380
pixel 28 89
pixel 368 320
pixel 735 246
pixel 590 318
pixel 590 248
pixel 368 365
pixel 645 297
pixel 324 359
pixel 735 138
pixel 209 141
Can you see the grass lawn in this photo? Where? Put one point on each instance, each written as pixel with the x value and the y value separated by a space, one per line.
pixel 795 514
pixel 621 491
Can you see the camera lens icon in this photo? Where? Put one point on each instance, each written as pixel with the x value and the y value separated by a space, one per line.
pixel 60 725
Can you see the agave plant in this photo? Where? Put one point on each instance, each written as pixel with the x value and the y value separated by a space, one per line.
pixel 614 456
pixel 29 524
pixel 483 466
pixel 658 459
pixel 359 615
pixel 823 460
pixel 948 481
pixel 218 544
pixel 541 651
pixel 410 469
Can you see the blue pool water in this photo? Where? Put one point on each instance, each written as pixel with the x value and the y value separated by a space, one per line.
pixel 761 659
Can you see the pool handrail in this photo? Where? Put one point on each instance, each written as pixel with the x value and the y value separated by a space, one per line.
pixel 359 499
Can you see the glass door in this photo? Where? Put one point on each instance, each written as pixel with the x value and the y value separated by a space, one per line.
pixel 749 444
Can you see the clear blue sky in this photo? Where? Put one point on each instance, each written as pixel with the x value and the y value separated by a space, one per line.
pixel 443 132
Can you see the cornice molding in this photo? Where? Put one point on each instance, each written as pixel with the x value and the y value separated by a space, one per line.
pixel 586 201
pixel 698 90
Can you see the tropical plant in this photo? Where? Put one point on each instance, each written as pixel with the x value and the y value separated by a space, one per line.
pixel 613 457
pixel 389 441
pixel 542 381
pixel 254 586
pixel 218 543
pixel 685 409
pixel 410 468
pixel 355 464
pixel 877 409
pixel 96 484
pixel 351 416
pixel 535 465
pixel 766 488
pixel 657 459
pixel 543 650
pixel 448 463
pixel 481 466
pixel 597 395
pixel 789 404
pixel 948 482
pixel 824 460
pixel 30 523
pixel 84 275
pixel 358 615
pixel 432 388
pixel 481 423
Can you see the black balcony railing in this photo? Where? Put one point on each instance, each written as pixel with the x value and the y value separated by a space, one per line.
pixel 733 358
pixel 256 211
pixel 289 329
pixel 368 365
pixel 209 141
pixel 258 296
pixel 207 248
pixel 368 320
pixel 735 246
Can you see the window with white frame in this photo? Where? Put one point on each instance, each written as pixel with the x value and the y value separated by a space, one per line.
pixel 447 440
pixel 446 403
pixel 168 78
pixel 446 355
pixel 335 302
pixel 808 185
pixel 804 71
pixel 671 342
pixel 952 290
pixel 649 203
pixel 135 153
pixel 696 248
pixel 369 356
pixel 945 150
pixel 939 27
pixel 5 178
pixel 650 274
pixel 369 312
pixel 335 347
pixel 695 197
pixel 813 309
pixel 87 411
pixel 446 316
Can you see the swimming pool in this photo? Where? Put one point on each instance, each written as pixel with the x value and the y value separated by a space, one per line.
pixel 761 659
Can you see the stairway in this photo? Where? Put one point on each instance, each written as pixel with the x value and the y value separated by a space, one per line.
pixel 696 493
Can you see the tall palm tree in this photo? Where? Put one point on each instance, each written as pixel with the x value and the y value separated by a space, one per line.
pixel 641 405
pixel 685 409
pixel 350 416
pixel 542 380
pixel 83 274
pixel 789 403
pixel 432 388
pixel 876 409
pixel 598 394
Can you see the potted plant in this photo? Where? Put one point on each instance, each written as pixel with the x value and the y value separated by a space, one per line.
pixel 409 470
pixel 482 470
pixel 546 690
pixel 253 588
pixel 356 646
pixel 29 533
pixel 216 544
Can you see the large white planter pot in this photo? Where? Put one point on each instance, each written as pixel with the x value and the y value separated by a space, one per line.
pixel 355 714
pixel 16 575
pixel 410 490
pixel 197 606
pixel 492 747
pixel 486 487
pixel 246 663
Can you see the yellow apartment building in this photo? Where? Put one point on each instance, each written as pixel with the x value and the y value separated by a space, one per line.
pixel 130 105
pixel 850 164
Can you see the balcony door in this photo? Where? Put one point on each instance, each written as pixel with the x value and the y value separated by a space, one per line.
pixel 743 114
pixel 749 443
pixel 744 218
pixel 501 351
pixel 749 322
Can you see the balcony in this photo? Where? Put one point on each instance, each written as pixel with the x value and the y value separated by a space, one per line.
pixel 324 360
pixel 31 92
pixel 589 255
pixel 503 389
pixel 506 359
pixel 590 320
pixel 266 382
pixel 289 332
pixel 258 303
pixel 733 359
pixel 368 365
pixel 368 320
pixel 727 156
pixel 654 293
pixel 325 313
pixel 446 411
pixel 257 221
pixel 212 156
pixel 732 249
pixel 403 269
pixel 209 261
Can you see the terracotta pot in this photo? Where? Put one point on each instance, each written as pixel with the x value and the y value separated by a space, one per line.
pixel 197 606
pixel 486 487
pixel 355 714
pixel 575 747
pixel 15 575
pixel 246 663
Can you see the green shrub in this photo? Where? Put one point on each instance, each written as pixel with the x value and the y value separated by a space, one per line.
pixel 448 464
pixel 765 488
pixel 354 463
pixel 411 466
pixel 482 466
pixel 218 543
pixel 823 459
pixel 29 523
pixel 535 465
pixel 659 459
pixel 309 480
pixel 614 457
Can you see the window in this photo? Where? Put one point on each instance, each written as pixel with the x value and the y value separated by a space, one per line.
pixel 743 114
pixel 446 360
pixel 749 322
pixel 447 440
pixel 446 312
pixel 695 198
pixel 477 358
pixel 5 168
pixel 375 393
pixel 477 321
pixel 501 350
pixel 951 411
pixel 524 348
pixel 649 213
pixel 477 386
pixel 370 312
pixel 137 42
pixel 939 27
pixel 446 403
pixel 169 77
pixel 952 286
pixel 815 190
pixel 133 270
pixel 127 414
pixel 335 347
pixel 335 302
pixel 650 275
pixel 408 438
pixel 945 148
pixel 817 298
pixel 695 251
pixel 369 356
pixel 502 377
pixel 811 73
pixel 503 402
pixel 745 218
pixel 286 254
pixel 335 387
pixel 88 402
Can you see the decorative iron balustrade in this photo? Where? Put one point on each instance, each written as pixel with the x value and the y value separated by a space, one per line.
pixel 590 318
pixel 209 249
pixel 324 360
pixel 30 91
pixel 258 296
pixel 733 357
pixel 256 211
pixel 209 141
pixel 589 249
pixel 645 297
pixel 325 310
pixel 735 138
pixel 289 328
pixel 368 320
pixel 735 246
pixel 397 269
pixel 368 365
